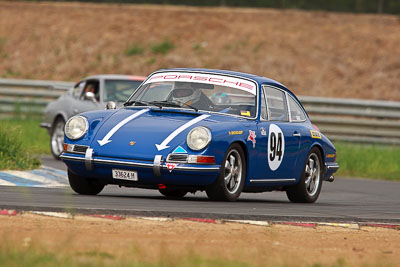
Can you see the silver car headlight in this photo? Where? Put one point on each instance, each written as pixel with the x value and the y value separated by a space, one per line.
pixel 76 127
pixel 198 138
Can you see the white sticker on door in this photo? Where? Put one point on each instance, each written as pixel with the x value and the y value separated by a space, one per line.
pixel 276 147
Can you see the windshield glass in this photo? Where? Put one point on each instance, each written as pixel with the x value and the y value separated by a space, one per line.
pixel 119 90
pixel 209 92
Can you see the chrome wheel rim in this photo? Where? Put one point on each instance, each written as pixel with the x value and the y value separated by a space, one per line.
pixel 233 171
pixel 312 174
pixel 57 139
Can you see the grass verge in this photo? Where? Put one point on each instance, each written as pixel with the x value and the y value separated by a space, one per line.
pixel 369 161
pixel 20 143
pixel 40 257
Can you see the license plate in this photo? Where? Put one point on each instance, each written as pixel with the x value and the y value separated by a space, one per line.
pixel 124 175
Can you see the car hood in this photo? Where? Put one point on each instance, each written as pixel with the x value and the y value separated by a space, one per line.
pixel 142 133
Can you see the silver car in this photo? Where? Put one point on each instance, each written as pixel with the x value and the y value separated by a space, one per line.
pixel 91 93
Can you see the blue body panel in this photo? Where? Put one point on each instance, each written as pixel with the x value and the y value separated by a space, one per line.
pixel 133 145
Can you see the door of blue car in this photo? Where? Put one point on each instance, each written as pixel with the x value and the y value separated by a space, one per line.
pixel 278 139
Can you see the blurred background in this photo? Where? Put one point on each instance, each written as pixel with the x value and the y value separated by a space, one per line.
pixel 331 49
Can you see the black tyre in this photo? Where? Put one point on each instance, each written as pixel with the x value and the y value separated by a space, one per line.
pixel 83 185
pixel 230 181
pixel 309 187
pixel 57 138
pixel 173 193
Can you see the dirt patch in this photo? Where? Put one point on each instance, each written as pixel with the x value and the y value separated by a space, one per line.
pixel 313 53
pixel 154 241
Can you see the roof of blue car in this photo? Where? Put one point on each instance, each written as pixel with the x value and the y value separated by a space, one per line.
pixel 258 79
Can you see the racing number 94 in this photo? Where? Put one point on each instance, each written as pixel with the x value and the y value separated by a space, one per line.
pixel 275 146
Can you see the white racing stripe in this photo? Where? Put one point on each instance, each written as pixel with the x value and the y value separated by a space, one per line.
pixel 165 143
pixel 106 138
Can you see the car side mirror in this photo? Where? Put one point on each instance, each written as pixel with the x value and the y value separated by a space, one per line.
pixel 90 96
pixel 111 105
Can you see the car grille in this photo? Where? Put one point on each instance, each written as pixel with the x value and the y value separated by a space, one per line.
pixel 80 149
pixel 177 158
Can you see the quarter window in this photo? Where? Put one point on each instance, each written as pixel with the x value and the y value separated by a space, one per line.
pixel 264 111
pixel 296 112
pixel 276 104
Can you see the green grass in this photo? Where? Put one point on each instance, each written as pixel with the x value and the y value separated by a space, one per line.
pixel 21 141
pixel 369 161
pixel 134 49
pixel 32 257
pixel 163 47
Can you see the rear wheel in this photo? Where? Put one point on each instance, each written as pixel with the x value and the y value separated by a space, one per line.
pixel 309 187
pixel 83 185
pixel 173 193
pixel 230 181
pixel 57 138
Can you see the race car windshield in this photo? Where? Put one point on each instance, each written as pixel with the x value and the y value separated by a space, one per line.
pixel 234 96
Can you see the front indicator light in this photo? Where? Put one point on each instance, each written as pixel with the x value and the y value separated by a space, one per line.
pixel 201 159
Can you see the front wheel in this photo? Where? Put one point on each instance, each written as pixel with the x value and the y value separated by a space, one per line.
pixel 230 181
pixel 309 187
pixel 57 138
pixel 83 185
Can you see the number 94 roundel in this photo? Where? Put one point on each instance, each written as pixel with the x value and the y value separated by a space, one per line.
pixel 276 147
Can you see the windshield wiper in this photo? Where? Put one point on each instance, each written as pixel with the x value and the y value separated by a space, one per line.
pixel 136 103
pixel 141 103
pixel 174 104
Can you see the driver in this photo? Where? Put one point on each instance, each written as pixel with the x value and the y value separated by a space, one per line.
pixel 184 93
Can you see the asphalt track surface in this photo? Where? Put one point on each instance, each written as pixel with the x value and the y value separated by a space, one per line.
pixel 344 200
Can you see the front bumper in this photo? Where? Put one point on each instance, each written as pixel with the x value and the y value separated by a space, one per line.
pixel 330 169
pixel 155 172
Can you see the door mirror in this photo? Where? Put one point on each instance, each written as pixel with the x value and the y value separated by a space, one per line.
pixel 90 96
pixel 111 105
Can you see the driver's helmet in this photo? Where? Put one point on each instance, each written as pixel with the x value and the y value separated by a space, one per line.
pixel 185 93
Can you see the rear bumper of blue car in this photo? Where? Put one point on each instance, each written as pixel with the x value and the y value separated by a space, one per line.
pixel 155 172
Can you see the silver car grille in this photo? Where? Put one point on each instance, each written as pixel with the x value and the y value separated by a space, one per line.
pixel 80 149
pixel 181 158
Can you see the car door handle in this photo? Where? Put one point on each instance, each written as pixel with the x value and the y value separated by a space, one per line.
pixel 297 134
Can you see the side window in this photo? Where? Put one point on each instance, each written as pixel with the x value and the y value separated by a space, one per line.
pixel 296 112
pixel 276 104
pixel 93 87
pixel 78 90
pixel 264 112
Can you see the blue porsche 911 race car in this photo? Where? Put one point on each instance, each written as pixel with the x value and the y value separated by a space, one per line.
pixel 185 130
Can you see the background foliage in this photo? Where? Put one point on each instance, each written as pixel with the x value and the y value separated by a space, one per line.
pixel 355 6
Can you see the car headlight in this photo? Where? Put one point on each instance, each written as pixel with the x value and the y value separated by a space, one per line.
pixel 198 138
pixel 76 127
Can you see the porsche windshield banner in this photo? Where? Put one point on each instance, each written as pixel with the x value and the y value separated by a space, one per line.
pixel 222 80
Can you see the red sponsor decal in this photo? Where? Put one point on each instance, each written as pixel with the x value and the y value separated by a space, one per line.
pixel 171 166
pixel 216 80
pixel 170 77
pixel 252 137
pixel 185 77
pixel 199 78
pixel 205 78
